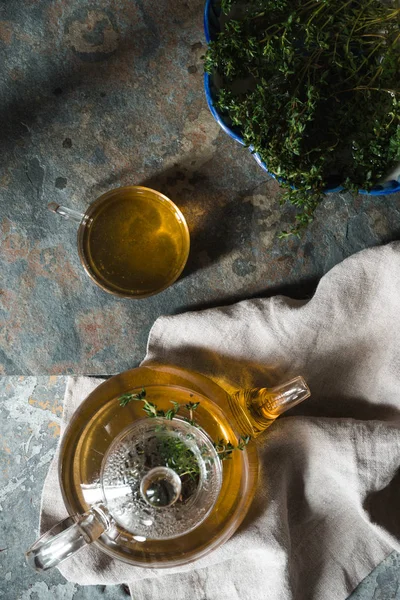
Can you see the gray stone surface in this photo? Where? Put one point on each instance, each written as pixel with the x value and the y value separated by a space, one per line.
pixel 30 410
pixel 383 583
pixel 98 95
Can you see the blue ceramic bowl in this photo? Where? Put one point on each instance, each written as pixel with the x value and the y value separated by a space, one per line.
pixel 212 13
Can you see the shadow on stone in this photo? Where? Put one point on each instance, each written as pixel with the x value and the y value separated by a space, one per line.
pixel 304 290
pixel 92 47
pixel 217 227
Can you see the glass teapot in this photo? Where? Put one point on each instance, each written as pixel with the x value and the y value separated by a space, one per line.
pixel 155 492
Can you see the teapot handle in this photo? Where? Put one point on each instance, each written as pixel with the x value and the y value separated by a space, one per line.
pixel 67 537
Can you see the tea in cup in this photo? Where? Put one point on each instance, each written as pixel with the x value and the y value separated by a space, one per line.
pixel 132 241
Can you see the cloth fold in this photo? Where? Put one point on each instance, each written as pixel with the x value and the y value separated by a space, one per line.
pixel 326 509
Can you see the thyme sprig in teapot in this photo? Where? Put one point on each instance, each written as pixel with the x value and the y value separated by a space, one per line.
pixel 178 453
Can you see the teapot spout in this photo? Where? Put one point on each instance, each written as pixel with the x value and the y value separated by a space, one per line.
pixel 285 396
pixel 256 409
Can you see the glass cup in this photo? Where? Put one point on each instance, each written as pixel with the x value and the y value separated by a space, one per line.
pixel 133 241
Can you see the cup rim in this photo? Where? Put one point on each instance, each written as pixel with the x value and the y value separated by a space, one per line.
pixel 82 227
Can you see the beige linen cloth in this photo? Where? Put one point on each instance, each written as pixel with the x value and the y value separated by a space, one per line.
pixel 327 510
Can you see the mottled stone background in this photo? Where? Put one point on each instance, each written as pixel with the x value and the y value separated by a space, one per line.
pixel 98 94
pixel 94 95
pixel 30 412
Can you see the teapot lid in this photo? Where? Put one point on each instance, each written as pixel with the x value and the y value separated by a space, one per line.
pixel 160 478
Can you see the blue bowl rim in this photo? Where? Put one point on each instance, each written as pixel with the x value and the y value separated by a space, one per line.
pixel 393 185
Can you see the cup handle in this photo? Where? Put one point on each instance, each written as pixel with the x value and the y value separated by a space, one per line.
pixel 67 537
pixel 66 213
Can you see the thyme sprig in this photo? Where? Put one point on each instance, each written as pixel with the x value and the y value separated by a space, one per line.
pixel 176 451
pixel 224 449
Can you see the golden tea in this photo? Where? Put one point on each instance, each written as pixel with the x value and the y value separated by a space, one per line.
pixel 134 242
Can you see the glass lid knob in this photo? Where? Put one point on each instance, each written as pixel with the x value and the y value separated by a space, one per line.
pixel 161 486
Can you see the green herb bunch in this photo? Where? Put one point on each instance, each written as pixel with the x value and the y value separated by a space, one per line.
pixel 177 455
pixel 313 87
